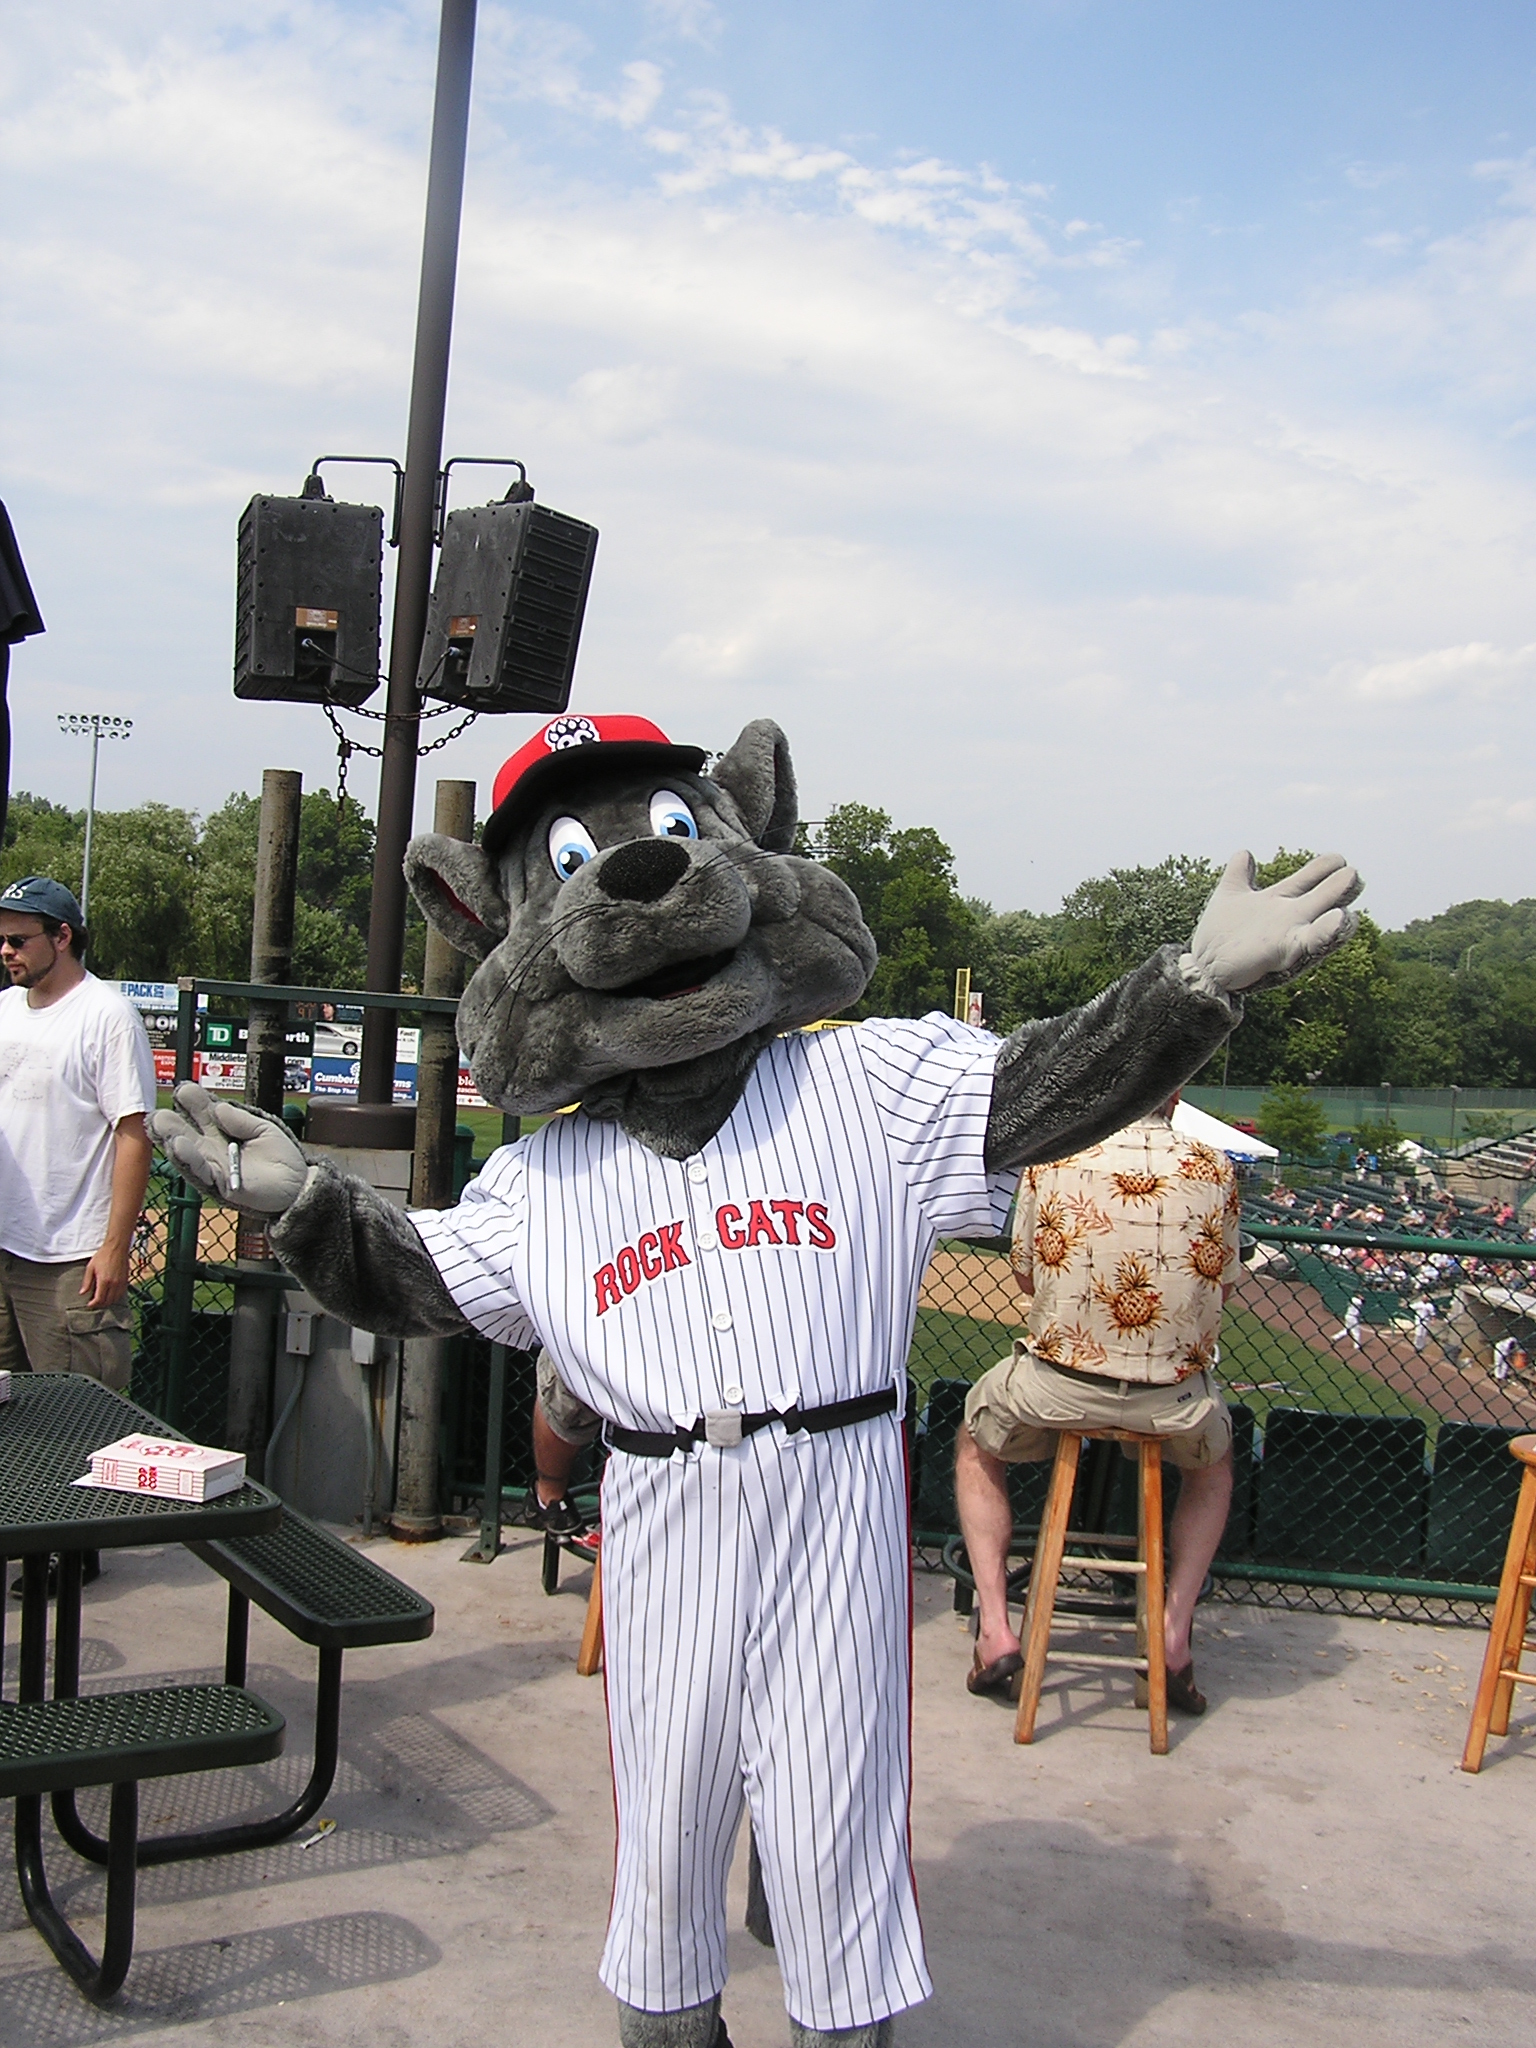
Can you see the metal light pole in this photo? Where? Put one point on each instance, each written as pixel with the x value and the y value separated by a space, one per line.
pixel 100 727
pixel 413 579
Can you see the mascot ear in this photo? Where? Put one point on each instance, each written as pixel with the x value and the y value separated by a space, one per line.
pixel 758 778
pixel 456 886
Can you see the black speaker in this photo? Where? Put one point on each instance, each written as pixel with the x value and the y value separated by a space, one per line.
pixel 307 600
pixel 507 608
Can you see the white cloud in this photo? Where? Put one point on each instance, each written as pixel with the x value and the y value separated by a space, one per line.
pixel 695 21
pixel 531 57
pixel 1475 670
pixel 1076 591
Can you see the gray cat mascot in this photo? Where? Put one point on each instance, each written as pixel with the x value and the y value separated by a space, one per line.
pixel 720 1251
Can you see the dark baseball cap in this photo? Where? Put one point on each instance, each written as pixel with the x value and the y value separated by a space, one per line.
pixel 41 896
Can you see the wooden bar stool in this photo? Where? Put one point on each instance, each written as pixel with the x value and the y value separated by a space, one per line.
pixel 1511 1618
pixel 1149 1662
pixel 589 1658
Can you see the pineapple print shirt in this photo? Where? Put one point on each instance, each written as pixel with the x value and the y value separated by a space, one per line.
pixel 1125 1248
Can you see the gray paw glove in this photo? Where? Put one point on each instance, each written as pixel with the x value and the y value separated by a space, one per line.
pixel 243 1156
pixel 1250 939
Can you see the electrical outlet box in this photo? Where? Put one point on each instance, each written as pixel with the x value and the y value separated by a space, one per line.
pixel 365 1348
pixel 299 1333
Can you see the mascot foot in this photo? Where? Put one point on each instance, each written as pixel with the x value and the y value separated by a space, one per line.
pixel 696 2026
pixel 877 2034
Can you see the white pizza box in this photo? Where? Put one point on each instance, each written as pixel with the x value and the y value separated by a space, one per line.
pixel 163 1465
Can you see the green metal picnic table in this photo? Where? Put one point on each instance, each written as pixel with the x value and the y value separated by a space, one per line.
pixel 48 1430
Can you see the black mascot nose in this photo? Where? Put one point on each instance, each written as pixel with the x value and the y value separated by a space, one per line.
pixel 642 870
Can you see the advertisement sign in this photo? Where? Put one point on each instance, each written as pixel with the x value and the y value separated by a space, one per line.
pixel 334 1073
pixel 322 1044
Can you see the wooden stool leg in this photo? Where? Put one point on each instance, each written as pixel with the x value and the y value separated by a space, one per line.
pixel 1150 1549
pixel 1050 1544
pixel 589 1658
pixel 1514 1642
pixel 1503 1613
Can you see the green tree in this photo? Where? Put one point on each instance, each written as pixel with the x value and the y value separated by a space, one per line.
pixel 1385 1140
pixel 905 883
pixel 226 872
pixel 42 838
pixel 1293 1119
pixel 143 884
pixel 1120 918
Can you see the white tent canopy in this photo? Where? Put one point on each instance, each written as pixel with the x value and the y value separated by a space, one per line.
pixel 1190 1122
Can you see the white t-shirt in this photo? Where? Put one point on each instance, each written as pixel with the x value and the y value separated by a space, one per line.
pixel 68 1074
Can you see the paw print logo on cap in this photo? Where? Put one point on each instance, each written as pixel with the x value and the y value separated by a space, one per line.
pixel 561 733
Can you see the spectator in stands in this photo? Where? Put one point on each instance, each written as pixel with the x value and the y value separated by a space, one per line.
pixel 1126 1253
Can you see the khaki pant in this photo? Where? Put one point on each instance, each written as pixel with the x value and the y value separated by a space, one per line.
pixel 571 1420
pixel 46 1326
pixel 1018 1409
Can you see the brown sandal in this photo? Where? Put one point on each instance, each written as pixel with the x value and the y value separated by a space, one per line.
pixel 1183 1693
pixel 994 1677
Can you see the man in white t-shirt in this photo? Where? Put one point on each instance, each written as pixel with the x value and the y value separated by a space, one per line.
pixel 76 1079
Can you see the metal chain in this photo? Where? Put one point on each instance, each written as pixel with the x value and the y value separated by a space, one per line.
pixel 346 748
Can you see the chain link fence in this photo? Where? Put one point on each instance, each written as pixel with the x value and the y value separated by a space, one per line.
pixel 182 1307
pixel 1375 1375
pixel 1375 1378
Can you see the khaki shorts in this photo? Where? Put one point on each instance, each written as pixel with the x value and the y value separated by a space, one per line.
pixel 46 1327
pixel 571 1420
pixel 1017 1410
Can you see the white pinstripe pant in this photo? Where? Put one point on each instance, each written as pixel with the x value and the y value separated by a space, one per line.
pixel 757 1611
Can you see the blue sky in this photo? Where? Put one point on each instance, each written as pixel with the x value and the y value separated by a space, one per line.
pixel 1096 430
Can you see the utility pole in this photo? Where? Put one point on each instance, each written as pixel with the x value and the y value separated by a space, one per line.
pixel 424 1360
pixel 100 728
pixel 277 868
pixel 413 580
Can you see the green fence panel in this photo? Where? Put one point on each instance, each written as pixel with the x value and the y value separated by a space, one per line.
pixel 1237 1538
pixel 1346 1491
pixel 1471 1503
pixel 933 1508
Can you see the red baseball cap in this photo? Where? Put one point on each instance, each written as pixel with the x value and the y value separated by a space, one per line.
pixel 561 746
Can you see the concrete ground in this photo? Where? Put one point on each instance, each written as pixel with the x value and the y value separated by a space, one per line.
pixel 1308 1863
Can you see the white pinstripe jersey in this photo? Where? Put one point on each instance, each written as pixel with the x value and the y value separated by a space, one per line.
pixel 779 1264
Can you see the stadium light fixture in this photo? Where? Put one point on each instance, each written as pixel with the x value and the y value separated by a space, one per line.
pixel 98 727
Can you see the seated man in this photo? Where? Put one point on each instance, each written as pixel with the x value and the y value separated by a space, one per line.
pixel 1126 1253
pixel 563 1427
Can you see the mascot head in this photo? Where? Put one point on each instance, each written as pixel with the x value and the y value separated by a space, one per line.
pixel 643 929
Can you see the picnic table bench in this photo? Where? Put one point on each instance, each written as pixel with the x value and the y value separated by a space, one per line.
pixel 328 1595
pixel 116 1739
pixel 324 1591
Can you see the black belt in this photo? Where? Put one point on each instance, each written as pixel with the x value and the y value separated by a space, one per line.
pixel 727 1426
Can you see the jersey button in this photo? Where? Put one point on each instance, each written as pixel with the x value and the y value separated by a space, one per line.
pixel 733 1392
pixel 707 1241
pixel 697 1170
pixel 721 1319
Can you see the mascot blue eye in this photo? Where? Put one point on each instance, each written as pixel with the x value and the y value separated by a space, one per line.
pixel 571 846
pixel 671 817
